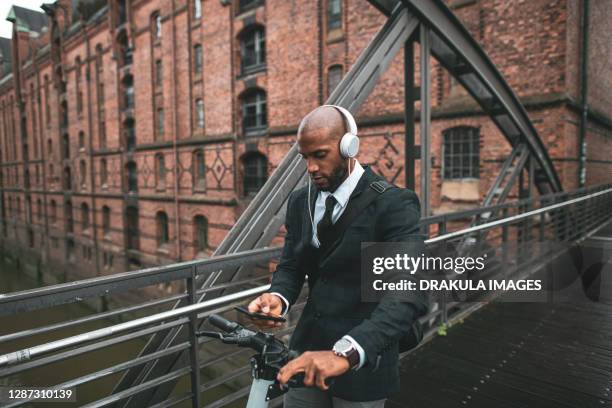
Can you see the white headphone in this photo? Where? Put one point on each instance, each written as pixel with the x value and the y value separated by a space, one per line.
pixel 349 144
pixel 349 147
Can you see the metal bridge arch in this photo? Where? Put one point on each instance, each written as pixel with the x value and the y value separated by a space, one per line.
pixel 440 32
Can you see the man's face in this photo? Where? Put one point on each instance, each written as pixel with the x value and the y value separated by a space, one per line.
pixel 326 167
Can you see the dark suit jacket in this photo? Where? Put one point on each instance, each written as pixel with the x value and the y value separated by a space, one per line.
pixel 334 307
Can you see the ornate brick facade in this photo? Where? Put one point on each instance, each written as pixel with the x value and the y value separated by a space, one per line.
pixel 133 132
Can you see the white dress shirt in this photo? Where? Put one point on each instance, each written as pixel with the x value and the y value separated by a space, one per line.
pixel 342 195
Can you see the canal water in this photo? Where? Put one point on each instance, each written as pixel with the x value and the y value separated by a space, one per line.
pixel 11 280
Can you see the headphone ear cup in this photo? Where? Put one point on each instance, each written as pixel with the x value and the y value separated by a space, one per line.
pixel 349 145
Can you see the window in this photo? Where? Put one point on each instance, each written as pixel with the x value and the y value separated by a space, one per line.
pixel 83 172
pixel 160 171
pixel 77 64
pixel 334 14
pixel 197 9
pixel 102 131
pixel 85 216
pixel 106 220
pixel 130 134
pixel 67 178
pixel 461 153
pixel 199 170
pixel 157 26
pixel 158 73
pixel 128 84
pixel 160 122
pixel 132 230
pixel 200 113
pixel 68 216
pixel 253 49
pixel 162 228
pixel 197 59
pixel 254 117
pixel 81 140
pixel 334 76
pixel 49 147
pixel 255 173
pixel 39 209
pixel 53 215
pixel 103 173
pixel 200 236
pixel 66 146
pixel 132 177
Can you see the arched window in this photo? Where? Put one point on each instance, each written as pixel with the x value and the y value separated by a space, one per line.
pixel 130 134
pixel 461 151
pixel 50 147
pixel 79 96
pixel 334 76
pixel 68 216
pixel 160 122
pixel 334 14
pixel 156 25
pixel 128 97
pixel 39 209
pixel 53 215
pixel 103 172
pixel 199 170
pixel 252 49
pixel 132 176
pixel 160 171
pixel 67 178
pixel 106 221
pixel 197 59
pixel 132 230
pixel 199 113
pixel 200 236
pixel 66 146
pixel 85 216
pixel 81 140
pixel 255 173
pixel 83 173
pixel 254 113
pixel 161 219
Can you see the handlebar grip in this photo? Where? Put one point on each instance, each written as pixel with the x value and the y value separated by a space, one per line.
pixel 222 323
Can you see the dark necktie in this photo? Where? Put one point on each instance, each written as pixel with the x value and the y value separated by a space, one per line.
pixel 324 226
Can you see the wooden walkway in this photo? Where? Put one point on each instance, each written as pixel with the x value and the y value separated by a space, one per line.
pixel 534 355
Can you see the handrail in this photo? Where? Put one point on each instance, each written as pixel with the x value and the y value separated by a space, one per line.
pixel 29 353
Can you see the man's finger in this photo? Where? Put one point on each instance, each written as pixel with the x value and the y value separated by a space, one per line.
pixel 255 305
pixel 309 376
pixel 290 369
pixel 321 381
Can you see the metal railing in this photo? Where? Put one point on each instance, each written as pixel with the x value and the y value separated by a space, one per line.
pixel 509 239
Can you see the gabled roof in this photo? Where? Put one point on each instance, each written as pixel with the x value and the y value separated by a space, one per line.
pixel 27 20
pixel 6 54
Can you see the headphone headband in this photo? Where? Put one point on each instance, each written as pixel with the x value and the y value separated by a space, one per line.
pixel 348 119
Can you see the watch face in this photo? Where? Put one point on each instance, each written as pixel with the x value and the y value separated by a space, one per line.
pixel 343 346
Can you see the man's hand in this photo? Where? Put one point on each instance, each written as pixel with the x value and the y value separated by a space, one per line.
pixel 267 304
pixel 316 366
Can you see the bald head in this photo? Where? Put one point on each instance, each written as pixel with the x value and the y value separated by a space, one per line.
pixel 323 120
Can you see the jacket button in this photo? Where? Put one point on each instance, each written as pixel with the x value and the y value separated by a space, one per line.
pixel 317 315
pixel 324 280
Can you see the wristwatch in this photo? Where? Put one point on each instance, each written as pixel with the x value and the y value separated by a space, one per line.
pixel 345 348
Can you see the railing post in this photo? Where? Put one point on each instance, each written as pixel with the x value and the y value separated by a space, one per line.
pixel 193 341
pixel 505 240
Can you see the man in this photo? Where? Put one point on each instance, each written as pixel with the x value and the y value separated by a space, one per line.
pixel 339 335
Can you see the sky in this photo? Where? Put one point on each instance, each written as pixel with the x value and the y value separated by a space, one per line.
pixel 6 27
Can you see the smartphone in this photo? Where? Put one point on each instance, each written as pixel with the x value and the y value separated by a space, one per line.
pixel 260 316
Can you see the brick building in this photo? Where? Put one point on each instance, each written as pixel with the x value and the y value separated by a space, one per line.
pixel 126 124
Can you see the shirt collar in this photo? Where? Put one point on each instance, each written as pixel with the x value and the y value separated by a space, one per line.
pixel 344 191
